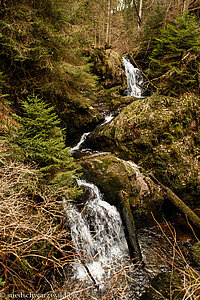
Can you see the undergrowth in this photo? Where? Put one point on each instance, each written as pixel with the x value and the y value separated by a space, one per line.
pixel 41 52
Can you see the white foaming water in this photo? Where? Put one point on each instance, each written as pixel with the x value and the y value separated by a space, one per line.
pixel 97 235
pixel 134 79
pixel 102 252
pixel 108 118
pixel 84 136
pixel 82 140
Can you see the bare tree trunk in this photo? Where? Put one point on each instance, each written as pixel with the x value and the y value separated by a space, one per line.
pixel 108 22
pixel 185 5
pixel 99 35
pixel 140 14
pixel 137 12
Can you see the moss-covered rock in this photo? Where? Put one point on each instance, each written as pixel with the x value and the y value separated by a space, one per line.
pixel 160 134
pixel 80 119
pixel 162 287
pixel 112 175
pixel 195 250
pixel 108 66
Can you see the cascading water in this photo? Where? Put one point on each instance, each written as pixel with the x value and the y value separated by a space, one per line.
pixel 108 118
pixel 82 140
pixel 134 79
pixel 97 235
pixel 101 266
pixel 84 136
pixel 102 263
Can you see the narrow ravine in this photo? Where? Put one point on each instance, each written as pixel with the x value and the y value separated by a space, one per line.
pixel 102 265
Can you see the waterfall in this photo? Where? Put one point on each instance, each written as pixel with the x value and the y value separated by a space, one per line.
pixel 108 118
pixel 84 136
pixel 134 79
pixel 102 252
pixel 97 235
pixel 101 264
pixel 82 140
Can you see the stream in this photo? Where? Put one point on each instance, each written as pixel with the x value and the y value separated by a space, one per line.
pixel 102 268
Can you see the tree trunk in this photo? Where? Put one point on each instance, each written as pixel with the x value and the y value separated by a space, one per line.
pixel 179 204
pixel 140 14
pixel 192 217
pixel 137 12
pixel 129 227
pixel 185 5
pixel 108 22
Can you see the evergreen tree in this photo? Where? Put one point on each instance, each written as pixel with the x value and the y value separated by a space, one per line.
pixel 175 55
pixel 42 140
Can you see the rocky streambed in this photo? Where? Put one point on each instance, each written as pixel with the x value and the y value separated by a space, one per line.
pixel 157 135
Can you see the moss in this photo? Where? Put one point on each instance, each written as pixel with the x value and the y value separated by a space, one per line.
pixel 162 288
pixel 107 64
pixel 113 175
pixel 195 250
pixel 162 134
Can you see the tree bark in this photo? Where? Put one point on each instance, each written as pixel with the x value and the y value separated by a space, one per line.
pixel 137 12
pixel 130 229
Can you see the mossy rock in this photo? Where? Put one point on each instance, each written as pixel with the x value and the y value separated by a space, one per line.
pixel 160 288
pixel 112 175
pixel 160 134
pixel 195 250
pixel 78 120
pixel 107 64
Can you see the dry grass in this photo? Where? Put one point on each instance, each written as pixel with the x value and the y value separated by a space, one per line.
pixel 188 287
pixel 34 240
pixel 36 252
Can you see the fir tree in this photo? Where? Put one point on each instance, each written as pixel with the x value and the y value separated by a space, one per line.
pixel 42 140
pixel 175 55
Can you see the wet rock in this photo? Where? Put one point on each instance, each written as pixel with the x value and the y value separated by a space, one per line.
pixel 160 134
pixel 113 175
pixel 78 120
pixel 108 66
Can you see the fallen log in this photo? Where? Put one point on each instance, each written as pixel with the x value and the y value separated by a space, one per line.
pixel 178 203
pixel 129 227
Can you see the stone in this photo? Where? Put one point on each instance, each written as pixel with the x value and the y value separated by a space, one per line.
pixel 113 175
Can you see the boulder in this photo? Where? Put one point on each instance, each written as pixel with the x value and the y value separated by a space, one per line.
pixel 107 64
pixel 160 134
pixel 113 175
pixel 163 287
